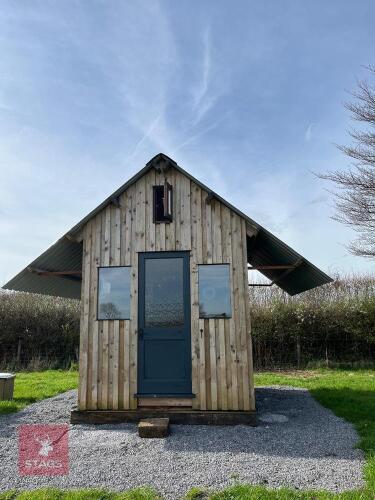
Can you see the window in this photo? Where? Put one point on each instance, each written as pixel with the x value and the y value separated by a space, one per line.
pixel 163 203
pixel 164 292
pixel 114 293
pixel 214 291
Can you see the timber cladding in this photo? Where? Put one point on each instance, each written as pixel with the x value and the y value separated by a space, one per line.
pixel 221 354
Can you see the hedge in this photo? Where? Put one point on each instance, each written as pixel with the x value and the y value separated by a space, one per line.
pixel 334 324
pixel 331 324
pixel 38 331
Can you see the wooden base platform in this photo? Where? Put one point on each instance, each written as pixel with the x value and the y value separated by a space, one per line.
pixel 175 415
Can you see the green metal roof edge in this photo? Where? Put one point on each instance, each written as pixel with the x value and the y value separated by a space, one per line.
pixel 151 164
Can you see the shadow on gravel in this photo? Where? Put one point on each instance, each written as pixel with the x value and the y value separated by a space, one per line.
pixel 291 424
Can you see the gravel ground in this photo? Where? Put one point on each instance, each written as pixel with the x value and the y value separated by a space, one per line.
pixel 298 443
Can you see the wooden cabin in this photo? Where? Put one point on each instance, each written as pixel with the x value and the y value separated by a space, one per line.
pixel 161 267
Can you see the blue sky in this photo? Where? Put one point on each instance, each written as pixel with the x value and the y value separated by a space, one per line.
pixel 245 95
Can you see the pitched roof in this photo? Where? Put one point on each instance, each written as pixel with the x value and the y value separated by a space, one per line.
pixel 264 249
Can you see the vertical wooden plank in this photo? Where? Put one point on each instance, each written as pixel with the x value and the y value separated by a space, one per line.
pixel 116 253
pixel 133 306
pixel 116 360
pixel 235 323
pixel 126 357
pixel 206 336
pixel 242 318
pixel 195 354
pixel 100 364
pixel 126 224
pixel 150 226
pixel 216 232
pixel 170 233
pixel 217 362
pixel 202 367
pixel 160 179
pixel 211 322
pixel 212 333
pixel 138 228
pixel 222 366
pixel 101 404
pixel 117 236
pixel 177 204
pixel 244 395
pixel 228 363
pixel 127 260
pixel 85 311
pixel 162 236
pixel 230 346
pixel 206 259
pixel 105 341
pixel 97 232
pixel 221 357
pixel 204 231
pixel 111 344
pixel 197 250
pixel 233 364
pixel 121 375
pixel 185 220
pixel 248 319
pixel 208 234
pixel 110 363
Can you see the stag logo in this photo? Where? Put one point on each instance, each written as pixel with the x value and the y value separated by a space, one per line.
pixel 43 450
pixel 45 446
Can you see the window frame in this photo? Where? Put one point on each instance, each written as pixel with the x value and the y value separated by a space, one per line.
pixel 215 316
pixel 98 289
pixel 167 195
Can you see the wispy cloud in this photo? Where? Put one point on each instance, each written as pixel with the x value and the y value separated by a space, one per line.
pixel 309 132
pixel 202 132
pixel 90 91
pixel 204 96
pixel 200 91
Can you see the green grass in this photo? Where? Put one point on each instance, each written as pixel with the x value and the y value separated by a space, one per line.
pixel 30 387
pixel 348 393
pixel 89 494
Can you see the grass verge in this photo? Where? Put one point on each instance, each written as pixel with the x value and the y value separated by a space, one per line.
pixel 30 387
pixel 143 493
pixel 348 393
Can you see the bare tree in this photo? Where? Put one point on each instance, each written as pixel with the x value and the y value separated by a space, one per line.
pixel 355 193
pixel 109 310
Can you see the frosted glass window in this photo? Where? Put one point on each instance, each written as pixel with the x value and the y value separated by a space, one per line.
pixel 164 292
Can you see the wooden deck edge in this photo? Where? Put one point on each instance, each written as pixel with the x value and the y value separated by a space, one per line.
pixel 187 417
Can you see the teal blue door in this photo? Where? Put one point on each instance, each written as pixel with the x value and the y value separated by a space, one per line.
pixel 164 348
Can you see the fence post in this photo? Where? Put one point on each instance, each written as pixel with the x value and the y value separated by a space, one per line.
pixel 19 353
pixel 298 346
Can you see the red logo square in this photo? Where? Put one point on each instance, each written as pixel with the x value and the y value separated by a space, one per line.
pixel 43 450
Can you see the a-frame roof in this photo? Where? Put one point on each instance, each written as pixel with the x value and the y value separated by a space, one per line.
pixel 264 250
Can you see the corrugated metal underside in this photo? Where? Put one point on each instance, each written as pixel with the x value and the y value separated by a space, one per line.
pixel 62 256
pixel 266 249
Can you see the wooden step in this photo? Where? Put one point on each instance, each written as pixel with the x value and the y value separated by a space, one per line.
pixel 161 402
pixel 153 428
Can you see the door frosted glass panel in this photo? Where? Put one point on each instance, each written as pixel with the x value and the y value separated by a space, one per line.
pixel 214 291
pixel 164 297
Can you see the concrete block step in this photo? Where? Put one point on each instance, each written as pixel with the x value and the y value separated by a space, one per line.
pixel 153 428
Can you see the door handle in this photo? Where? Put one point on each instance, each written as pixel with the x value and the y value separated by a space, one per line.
pixel 140 332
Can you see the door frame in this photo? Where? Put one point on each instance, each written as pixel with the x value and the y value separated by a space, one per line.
pixel 142 256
